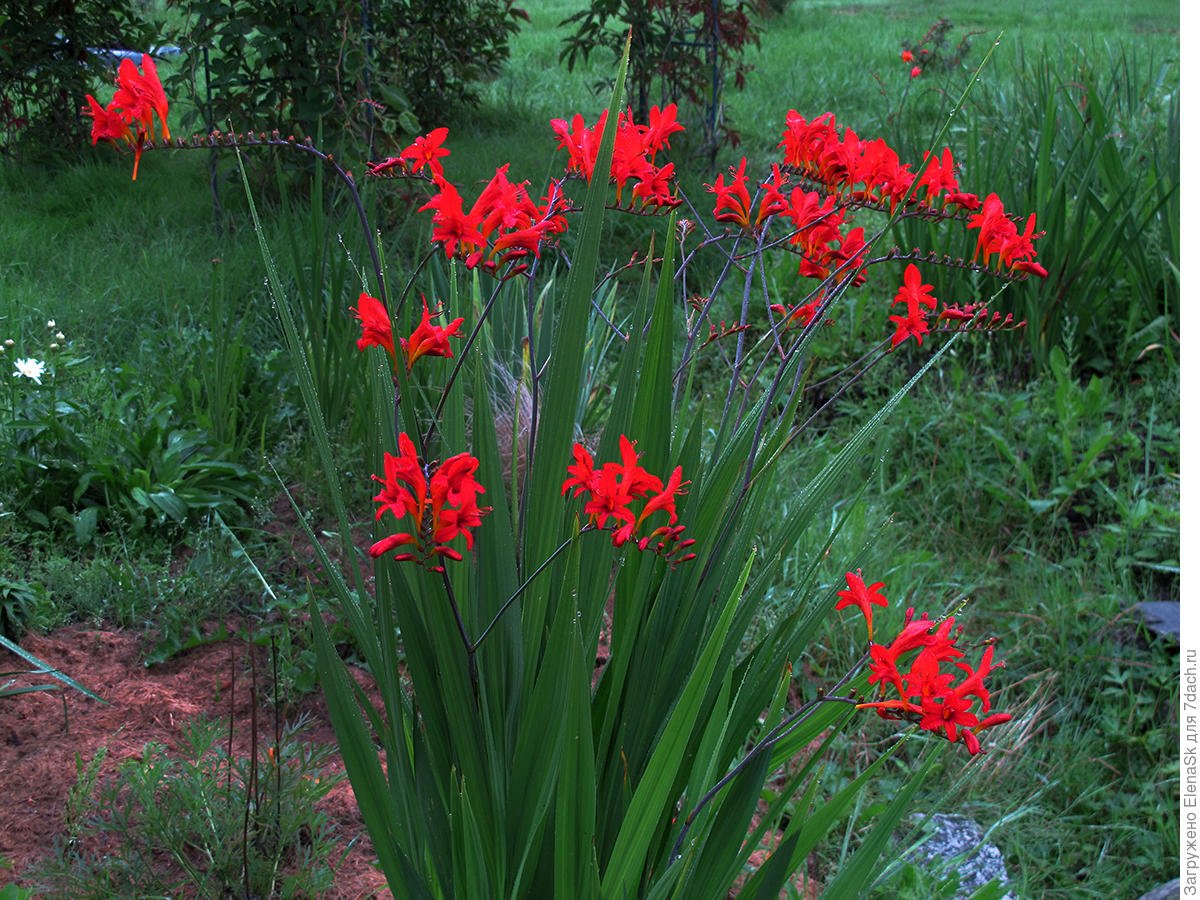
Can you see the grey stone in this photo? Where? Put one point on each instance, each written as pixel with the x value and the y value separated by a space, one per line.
pixel 1160 616
pixel 1167 891
pixel 956 844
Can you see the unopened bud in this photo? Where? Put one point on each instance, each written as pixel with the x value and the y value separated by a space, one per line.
pixel 59 336
pixel 50 324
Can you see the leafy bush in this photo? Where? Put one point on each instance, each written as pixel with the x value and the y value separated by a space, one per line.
pixel 681 51
pixel 321 65
pixel 47 64
pixel 76 455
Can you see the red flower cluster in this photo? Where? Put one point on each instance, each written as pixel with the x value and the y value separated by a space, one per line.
pixel 503 224
pixel 816 224
pixel 138 99
pixel 915 296
pixel 424 151
pixel 613 488
pixel 633 153
pixel 503 221
pixel 871 171
pixel 733 199
pixel 998 234
pixel 427 340
pixel 925 693
pixel 865 170
pixel 443 507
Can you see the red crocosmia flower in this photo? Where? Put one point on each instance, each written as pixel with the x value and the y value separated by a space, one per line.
pixel 853 249
pixel 916 296
pixel 963 201
pixel 772 200
pixel 1031 267
pixel 916 70
pixel 926 694
pixel 816 224
pixel 429 339
pixel 502 204
pixel 581 143
pixel 994 227
pixel 107 123
pixel 906 56
pixel 656 188
pixel 139 98
pixel 614 488
pixel 376 324
pixel 947 712
pixel 998 234
pixel 913 293
pixel 427 151
pixel 662 125
pixel 1018 246
pixel 733 199
pixel 442 508
pixel 883 173
pixel 457 231
pixel 858 594
pixel 938 175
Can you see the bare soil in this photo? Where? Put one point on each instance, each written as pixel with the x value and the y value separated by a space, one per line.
pixel 38 745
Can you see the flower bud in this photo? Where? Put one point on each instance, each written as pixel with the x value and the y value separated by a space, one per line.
pixel 50 324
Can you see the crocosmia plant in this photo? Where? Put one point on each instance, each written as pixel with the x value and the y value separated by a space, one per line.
pixel 581 695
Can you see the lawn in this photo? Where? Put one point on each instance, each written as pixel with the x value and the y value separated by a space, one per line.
pixel 1029 483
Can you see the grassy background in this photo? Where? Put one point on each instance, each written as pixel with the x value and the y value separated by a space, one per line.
pixel 987 491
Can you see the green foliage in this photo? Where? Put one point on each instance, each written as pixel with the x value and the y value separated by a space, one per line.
pixel 438 52
pixel 303 62
pixel 520 775
pixel 46 67
pixel 201 821
pixel 371 69
pixel 1088 140
pixel 17 599
pixel 77 455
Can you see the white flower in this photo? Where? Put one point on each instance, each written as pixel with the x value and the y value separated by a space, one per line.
pixel 54 346
pixel 59 336
pixel 9 342
pixel 30 368
pixel 50 324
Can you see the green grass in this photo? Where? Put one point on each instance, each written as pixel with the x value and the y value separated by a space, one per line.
pixel 1050 549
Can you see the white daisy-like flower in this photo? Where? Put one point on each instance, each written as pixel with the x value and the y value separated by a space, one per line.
pixel 30 368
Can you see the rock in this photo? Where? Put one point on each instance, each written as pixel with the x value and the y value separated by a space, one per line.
pixel 956 845
pixel 1160 616
pixel 1167 891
